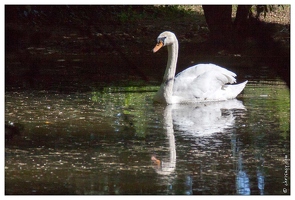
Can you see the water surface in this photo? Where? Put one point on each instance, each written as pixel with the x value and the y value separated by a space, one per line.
pixel 103 142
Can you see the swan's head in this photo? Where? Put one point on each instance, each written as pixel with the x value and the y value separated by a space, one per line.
pixel 164 39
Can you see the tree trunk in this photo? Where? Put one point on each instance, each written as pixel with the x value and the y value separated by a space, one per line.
pixel 242 16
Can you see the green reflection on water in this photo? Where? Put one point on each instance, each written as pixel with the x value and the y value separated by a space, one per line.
pixel 129 102
pixel 272 97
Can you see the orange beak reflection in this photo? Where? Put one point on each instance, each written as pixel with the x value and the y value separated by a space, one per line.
pixel 158 46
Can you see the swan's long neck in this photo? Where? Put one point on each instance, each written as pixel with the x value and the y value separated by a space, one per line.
pixel 168 79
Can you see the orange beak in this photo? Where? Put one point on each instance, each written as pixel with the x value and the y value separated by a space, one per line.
pixel 158 46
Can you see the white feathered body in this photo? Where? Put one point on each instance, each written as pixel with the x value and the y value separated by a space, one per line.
pixel 202 82
pixel 199 83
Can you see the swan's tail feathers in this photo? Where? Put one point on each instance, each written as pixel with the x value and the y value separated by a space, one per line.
pixel 231 79
pixel 233 91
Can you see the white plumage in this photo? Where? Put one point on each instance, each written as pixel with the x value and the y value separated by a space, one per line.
pixel 199 83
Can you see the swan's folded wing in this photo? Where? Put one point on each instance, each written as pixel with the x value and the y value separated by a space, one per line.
pixel 206 80
pixel 209 82
pixel 197 70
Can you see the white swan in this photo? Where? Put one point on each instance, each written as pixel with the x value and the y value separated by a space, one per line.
pixel 199 83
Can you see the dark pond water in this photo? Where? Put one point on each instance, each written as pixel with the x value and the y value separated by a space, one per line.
pixel 116 141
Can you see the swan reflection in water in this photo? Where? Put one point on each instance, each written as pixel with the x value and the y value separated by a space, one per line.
pixel 195 120
pixel 204 119
pixel 167 167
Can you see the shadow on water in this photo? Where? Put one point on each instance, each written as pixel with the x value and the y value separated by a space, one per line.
pixel 77 48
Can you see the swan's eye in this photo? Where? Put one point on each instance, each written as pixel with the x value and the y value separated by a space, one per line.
pixel 161 39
